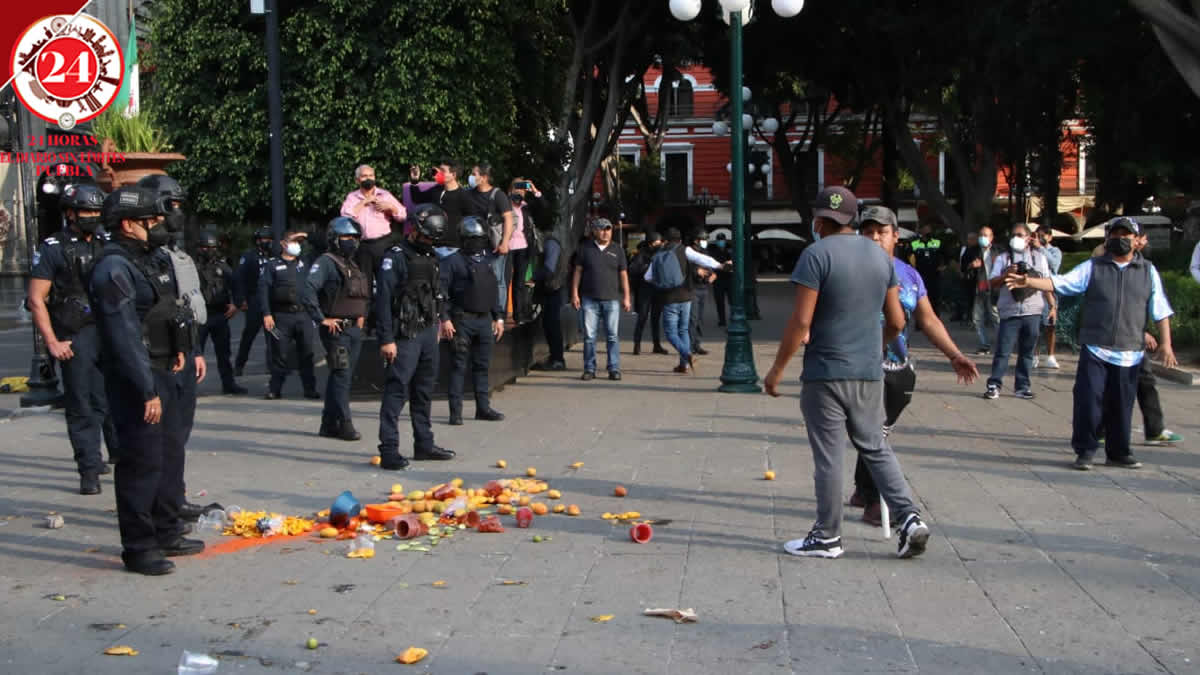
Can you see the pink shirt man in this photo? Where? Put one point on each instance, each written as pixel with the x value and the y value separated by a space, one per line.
pixel 376 216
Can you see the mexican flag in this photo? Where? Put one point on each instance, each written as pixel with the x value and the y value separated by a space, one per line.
pixel 128 99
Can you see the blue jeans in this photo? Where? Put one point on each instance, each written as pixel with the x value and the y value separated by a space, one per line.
pixel 1023 330
pixel 499 262
pixel 592 312
pixel 676 318
pixel 985 317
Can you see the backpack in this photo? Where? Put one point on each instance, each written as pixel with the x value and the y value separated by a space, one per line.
pixel 666 273
pixel 495 220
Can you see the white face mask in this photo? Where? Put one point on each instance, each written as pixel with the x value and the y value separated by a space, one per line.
pixel 1017 244
pixel 984 242
pixel 472 181
pixel 703 244
pixel 292 248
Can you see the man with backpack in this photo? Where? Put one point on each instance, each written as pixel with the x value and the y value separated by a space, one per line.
pixel 549 280
pixel 645 303
pixel 672 273
pixel 491 205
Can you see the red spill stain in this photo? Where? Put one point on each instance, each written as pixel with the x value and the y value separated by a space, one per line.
pixel 235 544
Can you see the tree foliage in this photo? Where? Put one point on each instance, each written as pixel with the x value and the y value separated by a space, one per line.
pixel 364 81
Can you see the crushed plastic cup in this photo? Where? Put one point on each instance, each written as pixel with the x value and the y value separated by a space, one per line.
pixel 363 542
pixel 211 522
pixel 194 663
pixel 457 507
pixel 641 533
pixel 233 512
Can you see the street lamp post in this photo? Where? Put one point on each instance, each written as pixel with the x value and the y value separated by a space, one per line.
pixel 738 374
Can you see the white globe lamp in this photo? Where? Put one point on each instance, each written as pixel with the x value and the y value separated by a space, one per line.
pixel 787 8
pixel 770 125
pixel 735 5
pixel 685 10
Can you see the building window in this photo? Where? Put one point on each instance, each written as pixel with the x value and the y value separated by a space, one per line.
pixel 677 175
pixel 682 99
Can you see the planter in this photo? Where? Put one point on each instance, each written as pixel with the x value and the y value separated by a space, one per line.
pixel 135 166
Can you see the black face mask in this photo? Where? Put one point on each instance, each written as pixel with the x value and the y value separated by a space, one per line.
pixel 1118 246
pixel 157 236
pixel 88 224
pixel 516 199
pixel 367 184
pixel 175 220
pixel 264 246
pixel 347 247
pixel 474 245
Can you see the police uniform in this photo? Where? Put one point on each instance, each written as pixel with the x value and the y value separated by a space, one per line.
pixel 66 260
pixel 143 326
pixel 471 293
pixel 279 289
pixel 335 288
pixel 216 287
pixel 250 268
pixel 928 257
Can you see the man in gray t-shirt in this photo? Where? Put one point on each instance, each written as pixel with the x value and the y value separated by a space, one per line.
pixel 842 281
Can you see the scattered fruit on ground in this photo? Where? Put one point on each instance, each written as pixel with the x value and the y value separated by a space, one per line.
pixel 361 553
pixel 540 509
pixel 457 482
pixel 573 510
pixel 524 501
pixel 559 508
pixel 312 611
pixel 501 464
pixel 412 655
pixel 769 475
pixel 397 488
pixel 121 650
pixel 620 491
pixel 577 465
pixel 311 644
pixel 503 499
pixel 531 472
pixel 416 495
pixel 554 494
pixel 504 509
pixel 439 584
pixel 375 461
pixel 537 538
pixel 329 532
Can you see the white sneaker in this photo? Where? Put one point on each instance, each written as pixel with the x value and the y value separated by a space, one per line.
pixel 813 546
pixel 1052 362
pixel 1035 361
pixel 914 535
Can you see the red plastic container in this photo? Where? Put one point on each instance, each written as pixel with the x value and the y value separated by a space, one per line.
pixel 524 516
pixel 409 526
pixel 471 519
pixel 641 533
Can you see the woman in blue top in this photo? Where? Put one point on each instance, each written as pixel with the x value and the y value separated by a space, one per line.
pixel 899 376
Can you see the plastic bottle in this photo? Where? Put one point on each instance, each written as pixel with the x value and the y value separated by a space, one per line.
pixel 193 663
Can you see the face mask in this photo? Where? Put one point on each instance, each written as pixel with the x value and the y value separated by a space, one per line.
pixel 516 199
pixel 473 245
pixel 703 244
pixel 292 248
pixel 984 242
pixel 264 246
pixel 175 220
pixel 1118 246
pixel 1018 244
pixel 347 247
pixel 439 177
pixel 88 224
pixel 720 243
pixel 367 184
pixel 816 234
pixel 472 181
pixel 157 236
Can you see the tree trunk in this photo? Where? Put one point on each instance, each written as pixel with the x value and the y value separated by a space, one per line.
pixel 907 147
pixel 1179 35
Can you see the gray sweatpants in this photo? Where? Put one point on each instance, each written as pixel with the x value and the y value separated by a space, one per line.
pixel 855 407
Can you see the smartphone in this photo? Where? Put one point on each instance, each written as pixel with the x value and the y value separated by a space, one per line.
pixel 524 185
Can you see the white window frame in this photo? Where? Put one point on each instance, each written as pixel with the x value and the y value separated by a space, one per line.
pixel 627 149
pixel 681 149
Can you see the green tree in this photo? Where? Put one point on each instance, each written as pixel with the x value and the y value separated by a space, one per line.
pixel 364 81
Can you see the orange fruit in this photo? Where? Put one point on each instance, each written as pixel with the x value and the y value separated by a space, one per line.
pixel 419 506
pixel 504 509
pixel 376 460
pixel 559 508
pixel 769 475
pixel 573 510
pixel 524 501
pixel 500 464
pixel 554 494
pixel 540 509
pixel 503 499
pixel 620 491
pixel 531 472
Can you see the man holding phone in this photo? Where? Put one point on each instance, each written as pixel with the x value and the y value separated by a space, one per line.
pixel 1020 312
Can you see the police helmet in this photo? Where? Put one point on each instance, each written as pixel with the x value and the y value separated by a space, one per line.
pixel 471 227
pixel 431 221
pixel 341 227
pixel 164 185
pixel 263 232
pixel 207 239
pixel 132 203
pixel 83 197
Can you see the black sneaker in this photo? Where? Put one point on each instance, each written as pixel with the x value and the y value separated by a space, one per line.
pixel 557 365
pixel 1025 394
pixel 312 395
pixel 813 546
pixel 489 415
pixel 89 484
pixel 235 390
pixel 1082 463
pixel 348 432
pixel 271 396
pixel 588 375
pixel 180 547
pixel 659 349
pixel 456 419
pixel 1126 462
pixel 983 350
pixel 700 351
pixel 614 375
pixel 913 536
pixel 992 393
pixel 435 454
pixel 150 563
pixel 397 463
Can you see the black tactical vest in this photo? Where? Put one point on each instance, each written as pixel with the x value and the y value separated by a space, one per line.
pixel 285 291
pixel 415 307
pixel 214 285
pixel 167 326
pixel 349 299
pixel 482 288
pixel 69 308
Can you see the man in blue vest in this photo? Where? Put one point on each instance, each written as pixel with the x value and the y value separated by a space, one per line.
pixel 1121 289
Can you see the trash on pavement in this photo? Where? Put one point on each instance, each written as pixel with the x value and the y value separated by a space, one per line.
pixel 412 655
pixel 678 615
pixel 121 650
pixel 602 618
pixel 344 508
pixel 193 663
pixel 54 522
pixel 641 533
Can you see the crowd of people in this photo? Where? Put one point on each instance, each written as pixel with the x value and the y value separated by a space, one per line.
pixel 127 312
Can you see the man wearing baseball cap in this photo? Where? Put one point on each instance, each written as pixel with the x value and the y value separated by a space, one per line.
pixel 840 280
pixel 1121 289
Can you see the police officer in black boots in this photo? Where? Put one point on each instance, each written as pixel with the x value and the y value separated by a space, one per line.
pixel 146 338
pixel 336 296
pixel 408 306
pixel 216 285
pixel 64 317
pixel 250 268
pixel 472 319
pixel 288 328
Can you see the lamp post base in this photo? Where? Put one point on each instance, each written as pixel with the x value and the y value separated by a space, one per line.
pixel 43 386
pixel 738 375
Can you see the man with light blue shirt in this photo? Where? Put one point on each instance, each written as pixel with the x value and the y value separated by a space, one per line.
pixel 1120 289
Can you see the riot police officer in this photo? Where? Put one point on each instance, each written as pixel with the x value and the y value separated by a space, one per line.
pixel 63 315
pixel 250 268
pixel 473 319
pixel 216 285
pixel 146 340
pixel 287 325
pixel 408 304
pixel 336 296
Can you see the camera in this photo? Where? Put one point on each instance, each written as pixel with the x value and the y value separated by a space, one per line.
pixel 1022 268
